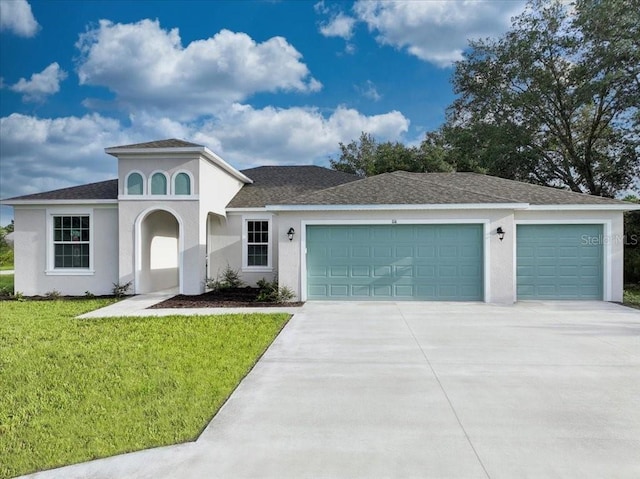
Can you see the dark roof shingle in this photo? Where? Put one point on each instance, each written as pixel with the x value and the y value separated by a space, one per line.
pixel 404 188
pixel 103 190
pixel 169 143
pixel 274 185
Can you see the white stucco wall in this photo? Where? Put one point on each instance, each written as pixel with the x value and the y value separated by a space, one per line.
pixel 226 246
pixel 211 190
pixel 191 252
pixel 148 165
pixel 32 251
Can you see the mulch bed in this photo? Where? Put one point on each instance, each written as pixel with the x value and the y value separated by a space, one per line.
pixel 228 298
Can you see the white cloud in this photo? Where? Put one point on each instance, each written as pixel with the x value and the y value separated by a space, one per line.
pixel 41 154
pixel 42 84
pixel 148 68
pixel 369 90
pixel 435 31
pixel 339 25
pixel 16 17
pixel 251 137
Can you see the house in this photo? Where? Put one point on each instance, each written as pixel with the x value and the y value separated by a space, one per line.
pixel 178 214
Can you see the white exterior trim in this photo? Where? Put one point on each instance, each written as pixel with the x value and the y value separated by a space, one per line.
pixel 607 250
pixel 172 186
pixel 486 255
pixel 125 189
pixel 50 269
pixel 257 209
pixel 453 206
pixel 156 197
pixel 592 207
pixel 138 245
pixel 257 269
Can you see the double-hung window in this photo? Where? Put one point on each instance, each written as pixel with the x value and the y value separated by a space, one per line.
pixel 71 241
pixel 257 244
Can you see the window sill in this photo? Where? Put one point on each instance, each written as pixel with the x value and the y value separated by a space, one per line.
pixel 70 272
pixel 257 269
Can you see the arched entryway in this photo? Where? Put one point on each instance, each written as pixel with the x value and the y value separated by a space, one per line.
pixel 158 251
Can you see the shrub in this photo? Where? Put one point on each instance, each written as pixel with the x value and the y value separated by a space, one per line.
pixel 120 290
pixel 229 279
pixel 53 294
pixel 271 292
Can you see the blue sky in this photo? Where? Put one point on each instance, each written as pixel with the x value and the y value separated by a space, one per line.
pixel 258 82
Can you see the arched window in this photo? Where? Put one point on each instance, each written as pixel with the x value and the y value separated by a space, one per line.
pixel 158 184
pixel 134 184
pixel 182 185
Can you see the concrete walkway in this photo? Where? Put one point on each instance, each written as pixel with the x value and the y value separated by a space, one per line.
pixel 7 271
pixel 420 390
pixel 137 306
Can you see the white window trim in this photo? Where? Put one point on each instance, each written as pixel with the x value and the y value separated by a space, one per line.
pixel 125 191
pixel 150 180
pixel 606 252
pixel 173 183
pixel 245 249
pixel 51 270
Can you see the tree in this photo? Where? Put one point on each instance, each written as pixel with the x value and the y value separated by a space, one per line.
pixel 367 157
pixel 555 100
pixel 632 244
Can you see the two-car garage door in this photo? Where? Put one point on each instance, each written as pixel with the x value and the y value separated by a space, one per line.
pixel 397 261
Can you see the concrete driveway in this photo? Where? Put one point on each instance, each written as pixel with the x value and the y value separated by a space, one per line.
pixel 403 390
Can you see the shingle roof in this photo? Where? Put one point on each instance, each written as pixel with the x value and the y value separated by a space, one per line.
pixel 274 185
pixel 403 188
pixel 169 143
pixel 314 185
pixel 103 190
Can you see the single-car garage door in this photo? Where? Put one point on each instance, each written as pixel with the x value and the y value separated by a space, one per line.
pixel 399 262
pixel 559 261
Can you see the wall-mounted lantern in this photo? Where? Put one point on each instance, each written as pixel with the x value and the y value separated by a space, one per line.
pixel 500 233
pixel 290 233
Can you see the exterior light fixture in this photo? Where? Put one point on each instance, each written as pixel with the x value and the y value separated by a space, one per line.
pixel 290 233
pixel 500 232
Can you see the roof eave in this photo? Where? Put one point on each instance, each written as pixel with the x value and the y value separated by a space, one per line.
pixel 40 201
pixel 369 207
pixel 583 207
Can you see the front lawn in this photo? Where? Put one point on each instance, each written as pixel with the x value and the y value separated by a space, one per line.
pixel 632 296
pixel 74 390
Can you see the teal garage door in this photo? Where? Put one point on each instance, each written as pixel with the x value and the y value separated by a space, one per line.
pixel 559 261
pixel 395 262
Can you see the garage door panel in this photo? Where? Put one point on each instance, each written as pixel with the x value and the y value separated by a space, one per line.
pixel 339 290
pixel 555 262
pixel 395 261
pixel 359 271
pixel 381 271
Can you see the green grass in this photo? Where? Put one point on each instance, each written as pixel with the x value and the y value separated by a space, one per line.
pixel 74 390
pixel 4 267
pixel 632 296
pixel 6 283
